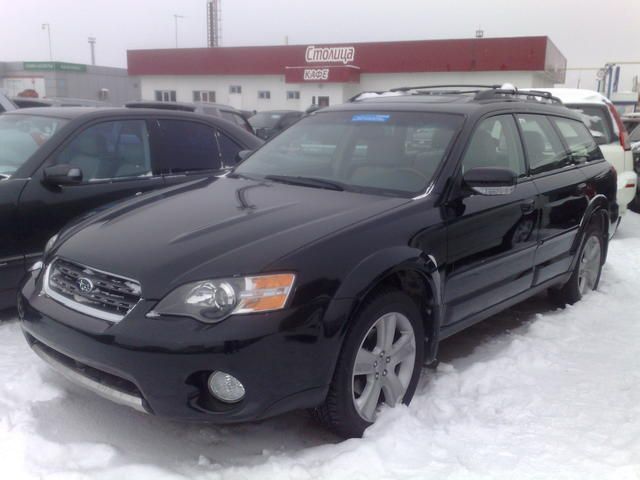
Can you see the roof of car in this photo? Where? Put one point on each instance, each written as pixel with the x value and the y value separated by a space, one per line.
pixel 576 95
pixel 185 106
pixel 70 113
pixel 279 112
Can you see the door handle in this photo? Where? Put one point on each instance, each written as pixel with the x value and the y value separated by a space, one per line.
pixel 528 206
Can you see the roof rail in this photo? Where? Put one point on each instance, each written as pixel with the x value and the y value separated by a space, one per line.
pixel 429 87
pixel 481 92
pixel 503 92
pixel 357 95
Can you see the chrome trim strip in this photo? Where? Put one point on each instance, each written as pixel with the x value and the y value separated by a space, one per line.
pixel 78 307
pixel 104 391
pixel 425 194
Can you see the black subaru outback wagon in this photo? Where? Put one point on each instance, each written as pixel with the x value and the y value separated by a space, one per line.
pixel 325 269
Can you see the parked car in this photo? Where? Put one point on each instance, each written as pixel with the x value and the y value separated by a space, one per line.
pixel 204 108
pixel 270 123
pixel 604 121
pixel 324 270
pixel 30 102
pixel 6 105
pixel 632 124
pixel 58 163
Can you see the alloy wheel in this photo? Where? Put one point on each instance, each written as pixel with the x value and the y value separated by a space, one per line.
pixel 384 364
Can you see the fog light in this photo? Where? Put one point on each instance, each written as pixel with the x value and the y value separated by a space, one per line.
pixel 225 387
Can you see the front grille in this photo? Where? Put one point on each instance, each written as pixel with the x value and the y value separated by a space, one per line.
pixel 91 291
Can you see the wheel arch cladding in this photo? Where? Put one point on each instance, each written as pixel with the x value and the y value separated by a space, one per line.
pixel 406 269
pixel 597 213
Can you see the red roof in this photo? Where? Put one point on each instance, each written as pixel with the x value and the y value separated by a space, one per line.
pixel 462 55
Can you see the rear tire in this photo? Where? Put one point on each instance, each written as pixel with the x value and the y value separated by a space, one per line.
pixel 380 362
pixel 586 274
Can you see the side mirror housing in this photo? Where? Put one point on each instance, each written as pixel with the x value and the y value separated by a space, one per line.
pixel 62 175
pixel 491 180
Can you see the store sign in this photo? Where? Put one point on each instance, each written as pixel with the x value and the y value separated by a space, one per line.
pixel 316 74
pixel 54 67
pixel 343 55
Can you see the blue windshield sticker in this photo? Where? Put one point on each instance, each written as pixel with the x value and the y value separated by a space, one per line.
pixel 371 117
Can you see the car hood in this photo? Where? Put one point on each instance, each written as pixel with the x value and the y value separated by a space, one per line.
pixel 212 229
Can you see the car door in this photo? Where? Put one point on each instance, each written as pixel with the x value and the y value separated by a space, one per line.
pixel 491 240
pixel 11 253
pixel 185 150
pixel 563 195
pixel 114 156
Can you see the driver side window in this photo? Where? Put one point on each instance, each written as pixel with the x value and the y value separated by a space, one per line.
pixel 110 150
pixel 495 143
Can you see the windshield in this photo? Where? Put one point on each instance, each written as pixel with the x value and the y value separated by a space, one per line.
pixel 378 152
pixel 21 136
pixel 634 132
pixel 265 120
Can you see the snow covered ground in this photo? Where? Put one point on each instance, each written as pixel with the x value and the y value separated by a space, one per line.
pixel 531 393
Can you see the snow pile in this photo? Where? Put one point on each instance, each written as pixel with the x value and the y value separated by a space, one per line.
pixel 530 393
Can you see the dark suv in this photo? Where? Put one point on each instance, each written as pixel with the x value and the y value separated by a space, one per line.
pixel 325 269
pixel 58 163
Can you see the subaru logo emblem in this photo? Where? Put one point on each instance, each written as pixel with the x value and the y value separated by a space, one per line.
pixel 85 285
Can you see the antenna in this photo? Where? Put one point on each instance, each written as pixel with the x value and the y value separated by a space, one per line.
pixel 214 23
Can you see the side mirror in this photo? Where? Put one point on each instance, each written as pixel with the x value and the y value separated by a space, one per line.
pixel 61 175
pixel 243 155
pixel 491 180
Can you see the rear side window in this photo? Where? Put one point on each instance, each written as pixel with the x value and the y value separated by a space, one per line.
pixel 107 150
pixel 597 119
pixel 183 146
pixel 495 143
pixel 543 146
pixel 581 144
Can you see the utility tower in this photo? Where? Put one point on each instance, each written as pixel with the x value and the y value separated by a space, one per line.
pixel 214 23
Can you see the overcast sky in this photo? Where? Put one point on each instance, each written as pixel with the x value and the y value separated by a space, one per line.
pixel 588 32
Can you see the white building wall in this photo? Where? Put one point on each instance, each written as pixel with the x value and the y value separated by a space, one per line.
pixel 337 92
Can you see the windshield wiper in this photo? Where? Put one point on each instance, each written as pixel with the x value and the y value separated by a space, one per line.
pixel 307 182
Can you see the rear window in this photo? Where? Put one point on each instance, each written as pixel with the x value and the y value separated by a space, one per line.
pixel 597 119
pixel 581 144
pixel 377 152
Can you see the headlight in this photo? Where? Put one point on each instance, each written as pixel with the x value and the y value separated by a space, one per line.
pixel 211 301
pixel 50 243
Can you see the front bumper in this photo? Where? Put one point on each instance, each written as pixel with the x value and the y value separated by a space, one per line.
pixel 160 365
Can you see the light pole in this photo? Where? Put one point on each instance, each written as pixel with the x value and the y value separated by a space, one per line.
pixel 47 27
pixel 92 44
pixel 175 19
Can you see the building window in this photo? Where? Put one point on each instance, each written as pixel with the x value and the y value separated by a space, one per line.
pixel 165 95
pixel 235 89
pixel 264 94
pixel 293 95
pixel 204 96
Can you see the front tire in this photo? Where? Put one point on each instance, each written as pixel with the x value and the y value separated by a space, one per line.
pixel 380 363
pixel 586 275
